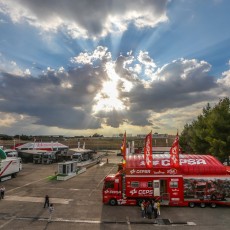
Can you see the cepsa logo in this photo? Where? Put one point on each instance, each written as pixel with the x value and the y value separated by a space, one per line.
pixel 140 171
pixel 112 192
pixel 166 162
pixel 141 192
pixel 172 171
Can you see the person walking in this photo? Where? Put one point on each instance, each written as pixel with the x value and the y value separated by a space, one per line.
pixel 2 192
pixel 51 210
pixel 47 201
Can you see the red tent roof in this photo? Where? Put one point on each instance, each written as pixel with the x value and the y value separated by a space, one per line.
pixel 189 164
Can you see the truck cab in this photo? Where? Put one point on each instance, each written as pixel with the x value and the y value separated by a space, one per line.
pixel 112 190
pixel 37 158
pixel 49 158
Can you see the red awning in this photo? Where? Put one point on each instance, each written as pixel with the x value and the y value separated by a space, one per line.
pixel 189 164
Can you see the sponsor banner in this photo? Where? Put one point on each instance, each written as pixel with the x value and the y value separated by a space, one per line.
pixel 148 151
pixel 162 167
pixel 174 153
pixel 123 150
pixel 154 171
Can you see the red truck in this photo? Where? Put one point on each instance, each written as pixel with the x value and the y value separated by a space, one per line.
pixel 200 180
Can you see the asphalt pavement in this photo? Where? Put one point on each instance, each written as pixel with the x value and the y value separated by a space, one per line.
pixel 78 204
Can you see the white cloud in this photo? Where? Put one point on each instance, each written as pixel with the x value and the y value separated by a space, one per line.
pixel 12 67
pixel 144 58
pixel 99 53
pixel 88 19
pixel 7 120
pixel 225 80
pixel 27 72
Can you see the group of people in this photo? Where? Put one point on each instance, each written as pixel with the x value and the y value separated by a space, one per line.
pixel 50 206
pixel 2 192
pixel 150 209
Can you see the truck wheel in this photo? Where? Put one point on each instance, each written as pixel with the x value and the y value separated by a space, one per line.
pixel 202 205
pixel 14 175
pixel 191 204
pixel 113 202
pixel 213 205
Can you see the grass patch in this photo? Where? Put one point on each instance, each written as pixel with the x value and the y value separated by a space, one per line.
pixel 54 177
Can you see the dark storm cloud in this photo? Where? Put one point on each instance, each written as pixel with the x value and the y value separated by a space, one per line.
pixel 45 97
pixel 178 84
pixel 113 118
pixel 139 118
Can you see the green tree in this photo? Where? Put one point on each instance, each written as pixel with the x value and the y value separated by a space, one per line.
pixel 210 132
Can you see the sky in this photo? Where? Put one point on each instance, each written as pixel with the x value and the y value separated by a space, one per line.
pixel 108 66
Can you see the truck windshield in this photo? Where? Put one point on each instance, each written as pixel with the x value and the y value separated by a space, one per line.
pixel 109 184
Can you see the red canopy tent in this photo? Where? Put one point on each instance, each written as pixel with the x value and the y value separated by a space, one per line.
pixel 189 164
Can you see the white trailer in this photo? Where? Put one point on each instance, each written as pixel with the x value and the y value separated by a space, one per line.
pixel 9 167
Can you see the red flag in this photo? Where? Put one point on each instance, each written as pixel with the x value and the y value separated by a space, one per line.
pixel 174 153
pixel 123 149
pixel 148 155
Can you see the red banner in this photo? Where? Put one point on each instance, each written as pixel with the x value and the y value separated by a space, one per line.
pixel 123 149
pixel 174 153
pixel 148 151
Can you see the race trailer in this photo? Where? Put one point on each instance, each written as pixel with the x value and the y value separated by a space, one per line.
pixel 10 167
pixel 199 180
pixel 46 157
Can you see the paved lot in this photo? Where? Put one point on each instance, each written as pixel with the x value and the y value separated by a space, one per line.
pixel 78 204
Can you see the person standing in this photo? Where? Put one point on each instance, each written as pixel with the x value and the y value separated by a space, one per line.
pixel 149 210
pixel 158 208
pixel 143 208
pixel 155 209
pixel 47 201
pixel 51 210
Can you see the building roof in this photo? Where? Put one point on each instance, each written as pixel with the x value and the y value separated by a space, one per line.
pixel 189 164
pixel 42 145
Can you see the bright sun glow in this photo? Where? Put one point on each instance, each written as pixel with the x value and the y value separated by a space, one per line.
pixel 108 100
